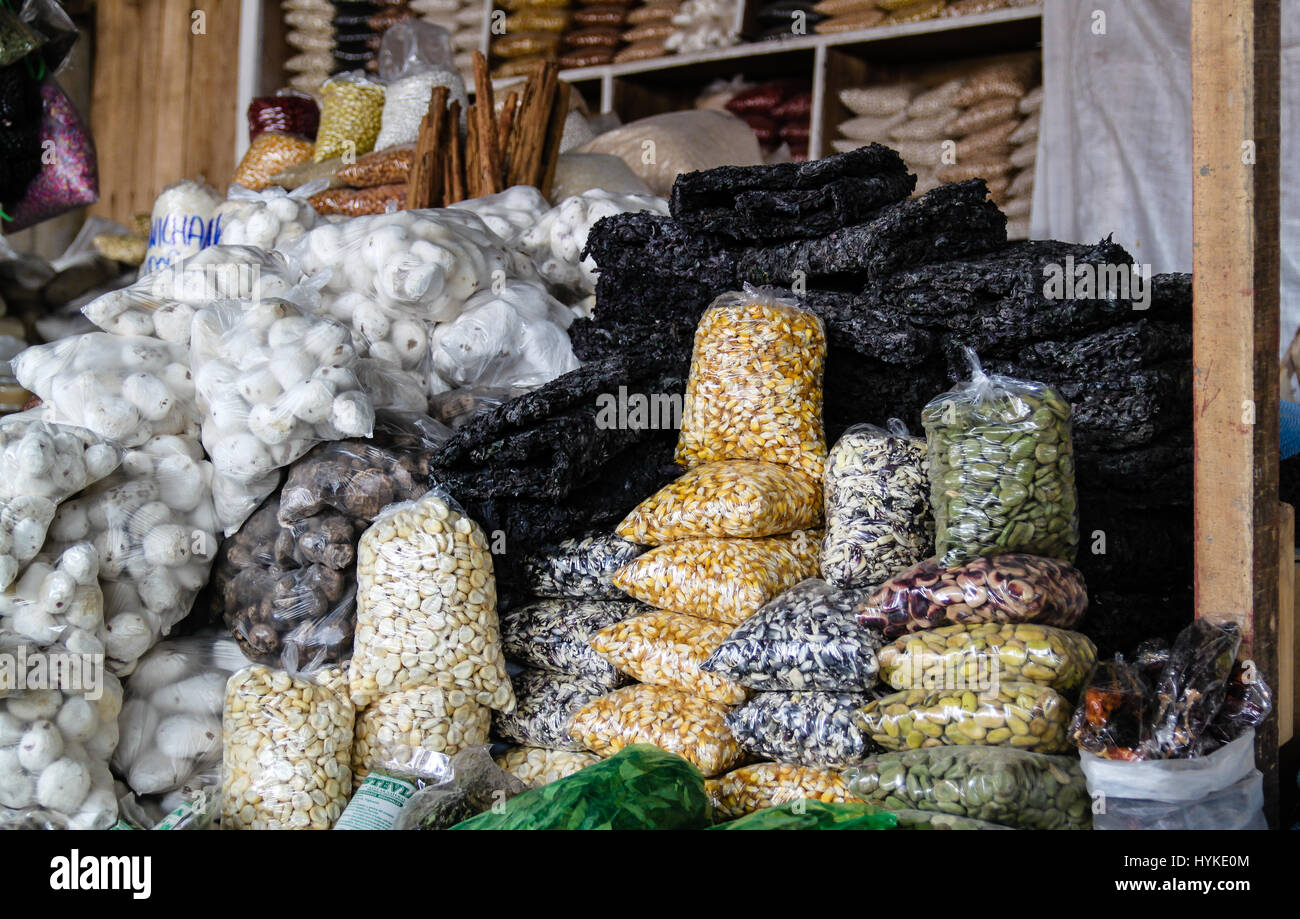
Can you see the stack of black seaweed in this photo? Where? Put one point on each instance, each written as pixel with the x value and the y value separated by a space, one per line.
pixel 902 284
pixel 559 461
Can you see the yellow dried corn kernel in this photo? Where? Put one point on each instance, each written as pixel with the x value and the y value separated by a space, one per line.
pixel 667 649
pixel 728 498
pixel 350 114
pixel 752 788
pixel 755 386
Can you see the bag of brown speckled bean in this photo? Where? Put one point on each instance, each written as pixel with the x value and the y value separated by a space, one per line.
pixel 755 386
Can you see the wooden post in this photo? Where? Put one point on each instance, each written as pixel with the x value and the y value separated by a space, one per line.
pixel 1235 154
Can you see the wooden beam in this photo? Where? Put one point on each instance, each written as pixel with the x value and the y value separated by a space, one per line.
pixel 1235 153
pixel 1284 694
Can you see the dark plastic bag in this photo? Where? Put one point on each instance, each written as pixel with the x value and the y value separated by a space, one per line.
pixel 640 788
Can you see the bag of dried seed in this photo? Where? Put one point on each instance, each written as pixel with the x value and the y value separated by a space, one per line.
pixel 806 638
pixel 667 649
pixel 545 704
pixel 878 519
pixel 537 766
pixel 414 722
pixel 426 606
pixel 806 728
pixel 555 635
pixel 751 788
pixel 1025 652
pixel 580 569
pixel 755 385
pixel 278 728
pixel 693 728
pixel 352 106
pixel 1000 588
pixel 727 498
pixel 1001 469
pixel 1023 715
pixel 723 579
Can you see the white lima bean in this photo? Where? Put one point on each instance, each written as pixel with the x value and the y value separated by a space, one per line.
pixel 286 750
pixel 272 383
pixel 395 730
pixel 55 746
pixel 163 304
pixel 426 607
pixel 126 389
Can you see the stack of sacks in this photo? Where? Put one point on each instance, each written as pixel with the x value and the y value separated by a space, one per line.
pixel 533 31
pixel 851 15
pixel 547 640
pixel 464 22
pixel 646 30
pixel 703 24
pixel 965 127
pixel 1024 157
pixel 593 34
pixel 727 536
pixel 311 35
pixel 779 19
pixel 780 112
pixel 356 42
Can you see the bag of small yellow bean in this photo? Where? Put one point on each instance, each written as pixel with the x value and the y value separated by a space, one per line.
pixel 723 579
pixel 727 498
pixel 286 750
pixel 1018 651
pixel 752 788
pixel 269 155
pixel 539 767
pixel 755 385
pixel 401 726
pixel 689 726
pixel 993 713
pixel 352 107
pixel 667 649
pixel 427 606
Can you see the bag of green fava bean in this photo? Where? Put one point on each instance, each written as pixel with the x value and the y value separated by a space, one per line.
pixel 639 788
pixel 811 814
pixel 1001 469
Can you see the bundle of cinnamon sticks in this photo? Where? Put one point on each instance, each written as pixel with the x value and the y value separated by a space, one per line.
pixel 518 146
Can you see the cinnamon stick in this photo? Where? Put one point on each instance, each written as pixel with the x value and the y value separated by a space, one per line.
pixel 554 137
pixel 505 121
pixel 489 155
pixel 456 190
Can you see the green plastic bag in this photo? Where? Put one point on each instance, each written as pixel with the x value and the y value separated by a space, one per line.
pixel 640 788
pixel 811 814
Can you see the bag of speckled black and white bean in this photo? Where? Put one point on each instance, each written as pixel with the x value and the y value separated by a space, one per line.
pixel 545 704
pixel 755 385
pixel 807 728
pixel 579 569
pixel 806 638
pixel 877 495
pixel 1001 469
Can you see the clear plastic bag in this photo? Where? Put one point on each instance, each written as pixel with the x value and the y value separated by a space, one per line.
pixel 427 720
pixel 507 213
pixel 181 224
pixel 170 725
pixel 878 518
pixel 272 383
pixel 741 498
pixel 545 704
pixel 125 389
pixel 406 100
pixel 278 728
pixel 1193 685
pixel 1023 715
pixel 153 524
pixel 41 464
pixel 443 619
pixel 755 387
pixel 753 788
pixel 352 107
pixel 999 588
pixel 360 202
pixel 411 47
pixel 555 635
pixel 1001 469
pixel 1016 788
pixel 55 745
pixel 285 112
pixel 476 784
pixel 300 619
pixel 71 179
pixel 926 820
pixel 267 219
pixel 693 728
pixel 536 766
pixel 805 728
pixel 163 304
pixel 580 569
pixel 57 600
pixel 1021 652
pixel 668 649
pixel 1116 715
pixel 270 154
pixel 386 166
pixel 805 638
pixel 723 579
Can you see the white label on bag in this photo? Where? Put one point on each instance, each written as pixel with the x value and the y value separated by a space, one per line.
pixel 377 804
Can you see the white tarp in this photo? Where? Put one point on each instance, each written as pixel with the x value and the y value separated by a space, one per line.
pixel 1115 141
